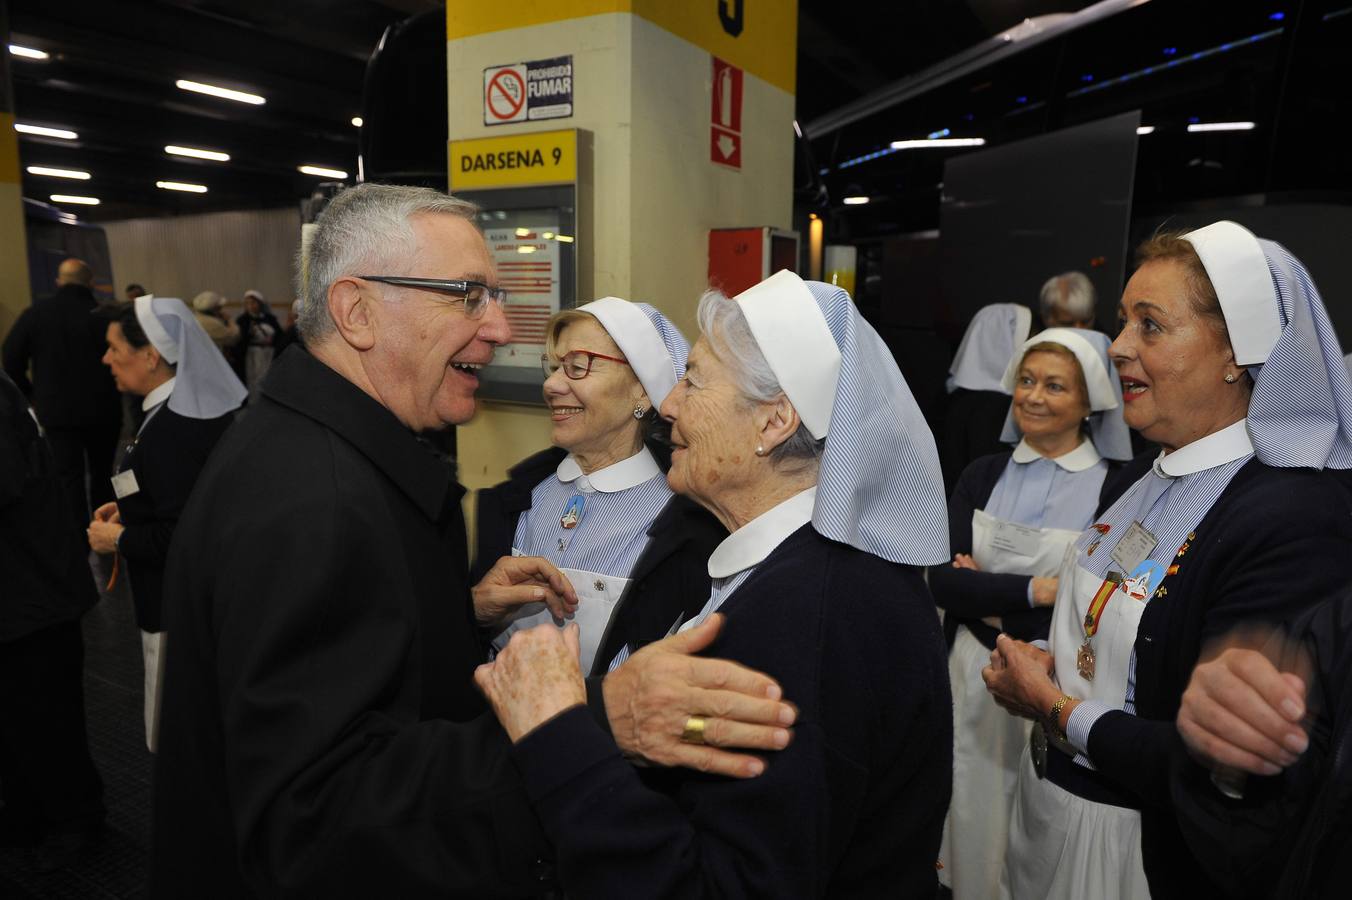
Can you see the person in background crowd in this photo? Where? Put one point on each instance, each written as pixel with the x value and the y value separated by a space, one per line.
pixel 71 390
pixel 1010 520
pixel 208 309
pixel 1068 300
pixel 977 401
pixel 597 504
pixel 53 796
pixel 1228 361
pixel 156 350
pixel 321 733
pixel 260 337
pixel 135 290
pixel 788 395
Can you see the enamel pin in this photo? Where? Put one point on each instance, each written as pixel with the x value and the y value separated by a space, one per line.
pixel 572 513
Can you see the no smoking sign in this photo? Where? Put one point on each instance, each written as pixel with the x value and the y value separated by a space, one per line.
pixel 505 94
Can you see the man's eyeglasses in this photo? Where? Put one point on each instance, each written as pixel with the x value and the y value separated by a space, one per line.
pixel 476 294
pixel 576 364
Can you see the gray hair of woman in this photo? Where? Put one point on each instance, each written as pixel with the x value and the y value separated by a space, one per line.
pixel 723 323
pixel 1067 299
pixel 365 229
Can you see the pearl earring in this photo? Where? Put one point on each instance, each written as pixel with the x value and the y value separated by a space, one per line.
pixel 760 450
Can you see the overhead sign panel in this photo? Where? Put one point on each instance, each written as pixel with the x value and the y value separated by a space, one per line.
pixel 544 157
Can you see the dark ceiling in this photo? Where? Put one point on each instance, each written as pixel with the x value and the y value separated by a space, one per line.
pixel 113 66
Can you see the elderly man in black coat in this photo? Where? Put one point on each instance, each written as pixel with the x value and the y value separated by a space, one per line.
pixel 321 734
pixel 51 791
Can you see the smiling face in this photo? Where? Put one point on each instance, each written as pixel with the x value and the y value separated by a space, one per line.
pixel 426 352
pixel 1173 361
pixel 593 417
pixel 713 432
pixel 1050 399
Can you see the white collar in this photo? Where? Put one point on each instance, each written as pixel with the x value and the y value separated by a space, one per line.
pixel 1216 449
pixel 1082 457
pixel 615 477
pixel 757 539
pixel 158 396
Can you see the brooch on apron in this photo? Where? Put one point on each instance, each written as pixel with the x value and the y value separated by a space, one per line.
pixel 1084 659
pixel 1102 530
pixel 1142 583
pixel 572 513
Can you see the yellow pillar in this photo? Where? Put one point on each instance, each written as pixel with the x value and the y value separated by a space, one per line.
pixel 14 292
pixel 643 82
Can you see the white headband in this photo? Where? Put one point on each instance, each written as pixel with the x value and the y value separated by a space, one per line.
pixel 155 333
pixel 1101 395
pixel 1237 267
pixel 636 336
pixel 789 329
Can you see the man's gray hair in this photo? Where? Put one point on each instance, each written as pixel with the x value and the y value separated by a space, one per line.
pixel 1068 297
pixel 722 321
pixel 365 230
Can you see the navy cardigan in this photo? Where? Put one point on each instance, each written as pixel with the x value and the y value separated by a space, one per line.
pixel 1269 549
pixel 853 807
pixel 967 596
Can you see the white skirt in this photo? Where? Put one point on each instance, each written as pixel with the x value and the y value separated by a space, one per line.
pixel 1063 846
pixel 987 745
pixel 152 655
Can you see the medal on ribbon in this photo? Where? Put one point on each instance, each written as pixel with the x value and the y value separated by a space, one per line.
pixel 1084 659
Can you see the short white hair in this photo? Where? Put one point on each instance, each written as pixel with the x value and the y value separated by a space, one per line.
pixel 1068 297
pixel 722 321
pixel 365 229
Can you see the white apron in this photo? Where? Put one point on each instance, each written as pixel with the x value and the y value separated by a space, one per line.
pixel 597 595
pixel 152 656
pixel 1061 845
pixel 987 741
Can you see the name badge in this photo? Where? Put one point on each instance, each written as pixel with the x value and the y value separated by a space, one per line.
pixel 1136 545
pixel 124 484
pixel 1011 537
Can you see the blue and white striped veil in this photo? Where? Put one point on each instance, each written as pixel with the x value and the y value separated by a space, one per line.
pixel 1300 413
pixel 655 348
pixel 880 488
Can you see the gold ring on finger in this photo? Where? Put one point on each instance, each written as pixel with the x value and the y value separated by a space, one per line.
pixel 694 730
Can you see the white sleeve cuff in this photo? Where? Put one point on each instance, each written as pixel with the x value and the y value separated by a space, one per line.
pixel 1041 645
pixel 1081 722
pixel 1031 604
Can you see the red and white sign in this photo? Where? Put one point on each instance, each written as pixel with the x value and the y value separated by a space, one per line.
pixel 725 119
pixel 527 262
pixel 505 94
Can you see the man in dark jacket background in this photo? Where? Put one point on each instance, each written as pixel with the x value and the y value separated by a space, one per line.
pixel 71 389
pixel 52 793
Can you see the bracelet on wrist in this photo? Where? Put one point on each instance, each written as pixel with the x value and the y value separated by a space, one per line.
pixel 1054 717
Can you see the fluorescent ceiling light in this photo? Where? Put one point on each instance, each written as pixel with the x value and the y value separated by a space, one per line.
pixel 43 131
pixel 855 201
pixel 323 172
pixel 58 173
pixel 28 52
pixel 197 153
pixel 214 91
pixel 1221 126
pixel 938 142
pixel 1145 129
pixel 72 198
pixel 181 186
pixel 356 121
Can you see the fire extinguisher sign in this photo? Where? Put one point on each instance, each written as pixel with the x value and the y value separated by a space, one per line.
pixel 725 130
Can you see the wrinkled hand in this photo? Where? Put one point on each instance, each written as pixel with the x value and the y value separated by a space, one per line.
pixel 517 580
pixel 650 696
pixel 1019 678
pixel 103 536
pixel 1044 591
pixel 965 561
pixel 533 679
pixel 1240 711
pixel 108 512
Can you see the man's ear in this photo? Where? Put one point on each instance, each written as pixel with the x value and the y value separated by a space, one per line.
pixel 352 312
